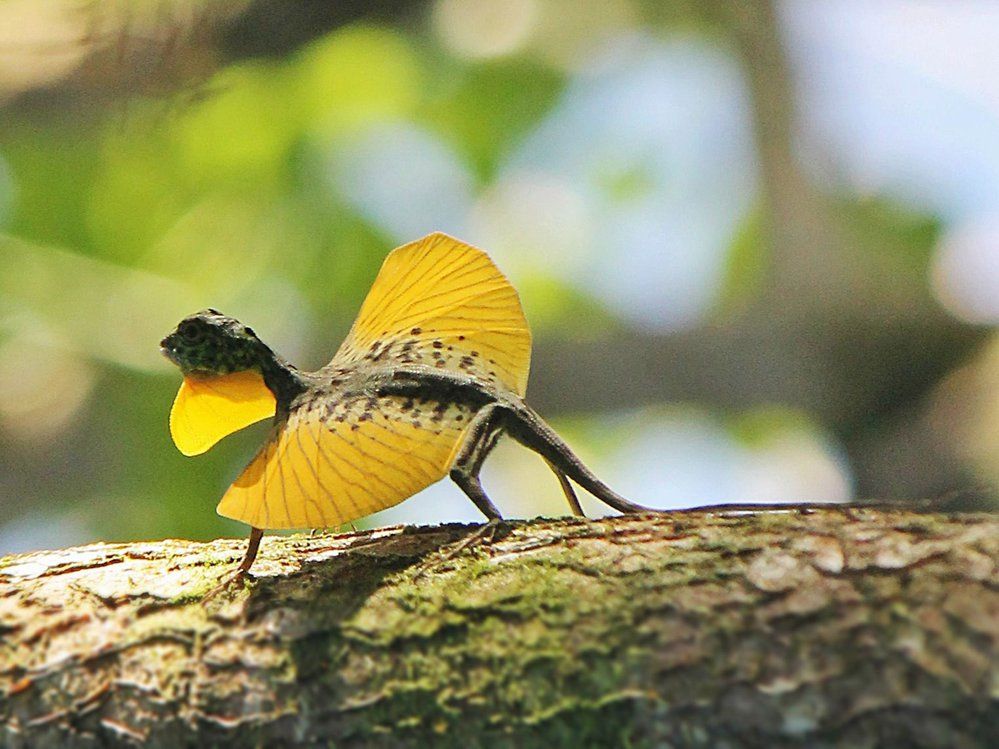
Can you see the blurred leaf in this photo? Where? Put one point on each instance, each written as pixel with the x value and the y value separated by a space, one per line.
pixel 240 133
pixel 553 305
pixel 355 76
pixel 882 227
pixel 745 265
pixel 756 427
pixel 487 108
pixel 136 192
pixel 52 165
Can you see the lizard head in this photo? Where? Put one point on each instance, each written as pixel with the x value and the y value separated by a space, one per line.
pixel 209 342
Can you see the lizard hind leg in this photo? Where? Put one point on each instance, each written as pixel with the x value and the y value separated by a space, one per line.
pixel 481 437
pixel 530 430
pixel 570 493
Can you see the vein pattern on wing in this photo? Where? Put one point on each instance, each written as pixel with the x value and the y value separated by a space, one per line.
pixel 442 303
pixel 330 464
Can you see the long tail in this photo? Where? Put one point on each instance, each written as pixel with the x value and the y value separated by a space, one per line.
pixel 530 430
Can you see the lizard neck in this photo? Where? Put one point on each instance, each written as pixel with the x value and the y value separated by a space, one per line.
pixel 282 379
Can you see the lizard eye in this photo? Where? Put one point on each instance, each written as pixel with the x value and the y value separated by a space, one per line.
pixel 190 331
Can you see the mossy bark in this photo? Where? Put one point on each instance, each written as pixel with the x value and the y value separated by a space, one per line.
pixel 838 627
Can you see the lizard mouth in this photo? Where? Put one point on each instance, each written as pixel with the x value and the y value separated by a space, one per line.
pixel 170 352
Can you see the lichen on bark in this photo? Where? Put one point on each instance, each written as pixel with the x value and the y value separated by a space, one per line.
pixel 832 627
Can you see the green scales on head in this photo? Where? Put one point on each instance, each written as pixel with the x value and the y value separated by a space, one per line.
pixel 432 372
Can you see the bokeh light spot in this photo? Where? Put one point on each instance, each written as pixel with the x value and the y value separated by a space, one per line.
pixel 404 179
pixel 652 141
pixel 570 31
pixel 965 273
pixel 241 130
pixel 41 42
pixel 356 76
pixel 41 388
pixel 534 222
pixel 485 28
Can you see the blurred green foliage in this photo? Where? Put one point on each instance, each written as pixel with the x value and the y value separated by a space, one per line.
pixel 124 220
pixel 121 218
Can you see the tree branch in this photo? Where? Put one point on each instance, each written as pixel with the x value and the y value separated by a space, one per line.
pixel 788 628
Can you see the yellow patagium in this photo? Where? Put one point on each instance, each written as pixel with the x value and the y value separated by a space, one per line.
pixel 432 372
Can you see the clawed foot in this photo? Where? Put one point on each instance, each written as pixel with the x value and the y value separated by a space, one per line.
pixel 231 581
pixel 484 534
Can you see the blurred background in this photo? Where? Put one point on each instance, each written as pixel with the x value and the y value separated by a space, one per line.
pixel 757 241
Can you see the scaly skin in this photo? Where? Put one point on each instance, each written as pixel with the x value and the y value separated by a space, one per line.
pixel 209 342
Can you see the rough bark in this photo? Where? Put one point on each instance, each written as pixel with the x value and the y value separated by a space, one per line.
pixel 831 627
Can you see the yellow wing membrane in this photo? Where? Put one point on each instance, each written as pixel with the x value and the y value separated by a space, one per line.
pixel 334 463
pixel 436 302
pixel 443 303
pixel 207 408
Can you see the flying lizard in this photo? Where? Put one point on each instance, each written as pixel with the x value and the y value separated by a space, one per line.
pixel 431 374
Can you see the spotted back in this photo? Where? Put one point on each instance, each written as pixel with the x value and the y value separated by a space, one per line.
pixel 442 303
